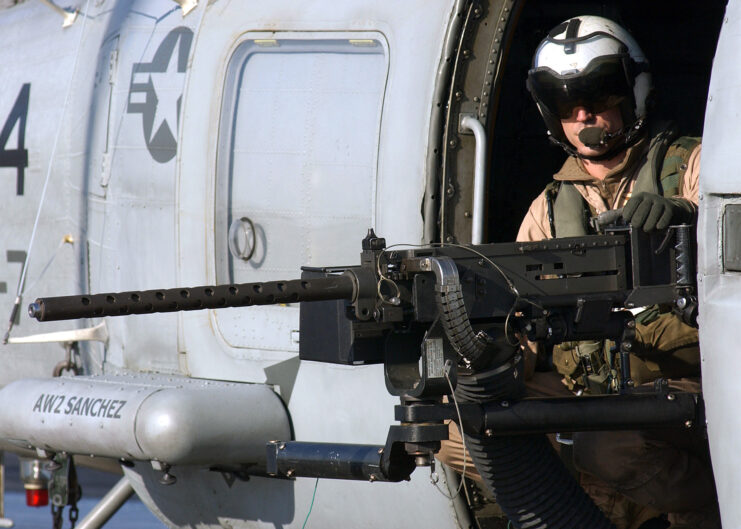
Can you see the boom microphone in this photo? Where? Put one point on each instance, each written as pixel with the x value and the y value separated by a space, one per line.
pixel 594 137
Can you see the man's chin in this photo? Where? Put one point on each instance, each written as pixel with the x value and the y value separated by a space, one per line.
pixel 592 151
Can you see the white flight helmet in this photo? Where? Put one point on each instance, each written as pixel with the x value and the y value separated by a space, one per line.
pixel 590 61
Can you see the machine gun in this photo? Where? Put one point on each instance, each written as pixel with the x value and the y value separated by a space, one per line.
pixel 443 316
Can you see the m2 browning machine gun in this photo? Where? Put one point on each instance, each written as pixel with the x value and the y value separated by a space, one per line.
pixel 446 321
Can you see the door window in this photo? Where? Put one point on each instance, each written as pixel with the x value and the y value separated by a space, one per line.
pixel 296 169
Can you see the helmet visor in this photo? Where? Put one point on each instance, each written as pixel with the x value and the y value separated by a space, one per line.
pixel 602 85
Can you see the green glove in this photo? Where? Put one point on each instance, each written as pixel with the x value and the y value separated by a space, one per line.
pixel 654 212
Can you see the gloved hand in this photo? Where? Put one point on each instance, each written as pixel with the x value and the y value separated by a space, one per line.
pixel 654 212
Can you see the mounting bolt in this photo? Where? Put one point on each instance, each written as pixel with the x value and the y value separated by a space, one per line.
pixel 453 143
pixel 488 432
pixel 504 403
pixel 688 424
pixel 466 54
pixel 290 472
pixel 167 478
pixel 477 12
pixel 670 396
pixel 458 95
pixel 630 324
pixel 372 478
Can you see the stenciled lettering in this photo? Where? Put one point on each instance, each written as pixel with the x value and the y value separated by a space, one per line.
pixel 49 403
pixel 118 410
pixel 60 401
pixel 80 406
pixel 70 403
pixel 16 157
pixel 76 409
pixel 87 405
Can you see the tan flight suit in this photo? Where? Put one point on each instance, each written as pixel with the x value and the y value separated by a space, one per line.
pixel 666 473
pixel 610 193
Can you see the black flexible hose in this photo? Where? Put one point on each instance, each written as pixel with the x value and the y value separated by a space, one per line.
pixel 526 476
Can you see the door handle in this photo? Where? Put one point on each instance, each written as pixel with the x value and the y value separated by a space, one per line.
pixel 242 229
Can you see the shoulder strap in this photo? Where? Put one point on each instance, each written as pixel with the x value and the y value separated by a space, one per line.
pixel 648 175
pixel 570 210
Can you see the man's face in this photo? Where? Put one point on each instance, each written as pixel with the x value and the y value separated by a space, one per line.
pixel 581 117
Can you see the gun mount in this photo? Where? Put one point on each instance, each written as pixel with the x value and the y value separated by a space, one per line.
pixel 444 315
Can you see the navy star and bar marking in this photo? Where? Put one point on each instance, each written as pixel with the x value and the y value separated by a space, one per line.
pixel 156 92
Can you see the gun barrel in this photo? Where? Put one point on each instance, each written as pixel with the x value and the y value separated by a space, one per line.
pixel 194 298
